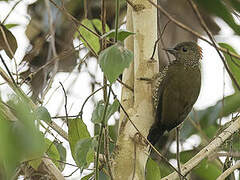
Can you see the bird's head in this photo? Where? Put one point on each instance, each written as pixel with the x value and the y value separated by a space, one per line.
pixel 188 53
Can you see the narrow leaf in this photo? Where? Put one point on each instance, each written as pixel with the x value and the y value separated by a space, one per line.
pixel 98 111
pixel 233 63
pixel 220 9
pixel 122 34
pixel 98 25
pixel 112 109
pixel 92 39
pixel 10 39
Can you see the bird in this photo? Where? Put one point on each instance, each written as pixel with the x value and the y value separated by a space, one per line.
pixel 175 89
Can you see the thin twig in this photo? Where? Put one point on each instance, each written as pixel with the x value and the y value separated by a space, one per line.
pixel 156 42
pixel 72 173
pixel 9 73
pixel 9 49
pixel 104 43
pixel 178 154
pixel 183 26
pixel 222 154
pixel 145 139
pixel 131 4
pixel 81 111
pixel 230 170
pixel 14 6
pixel 73 19
pixel 238 65
pixel 19 92
pixel 204 26
pixel 206 151
pixel 106 149
pixel 101 132
pixel 98 152
pixel 65 104
pixel 62 55
pixel 116 20
pixel 125 85
pixel 53 48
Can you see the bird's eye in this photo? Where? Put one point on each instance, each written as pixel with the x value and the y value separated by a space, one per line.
pixel 184 49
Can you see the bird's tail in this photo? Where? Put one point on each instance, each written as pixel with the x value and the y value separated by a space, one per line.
pixel 154 134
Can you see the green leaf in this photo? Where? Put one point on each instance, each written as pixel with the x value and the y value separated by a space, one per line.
pixel 43 114
pixel 207 118
pixel 20 140
pixel 91 39
pixel 98 25
pixel 152 170
pixel 114 60
pixel 9 26
pixel 219 8
pixel 98 111
pixel 233 63
pixel 94 25
pixel 112 108
pixel 205 170
pixel 10 39
pixel 122 34
pixel 52 152
pixel 231 104
pixel 113 131
pixel 62 152
pixel 87 177
pixel 77 130
pixel 210 131
pixel 35 163
pixel 84 152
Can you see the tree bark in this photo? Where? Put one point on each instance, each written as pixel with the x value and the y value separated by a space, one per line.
pixel 131 153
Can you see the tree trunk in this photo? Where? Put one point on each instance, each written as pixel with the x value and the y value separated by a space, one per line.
pixel 131 153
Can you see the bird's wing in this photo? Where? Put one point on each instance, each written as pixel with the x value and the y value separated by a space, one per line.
pixel 159 85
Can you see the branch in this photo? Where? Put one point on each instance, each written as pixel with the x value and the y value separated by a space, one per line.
pixel 19 92
pixel 204 26
pixel 218 141
pixel 52 168
pixel 144 138
pixel 230 170
pixel 183 26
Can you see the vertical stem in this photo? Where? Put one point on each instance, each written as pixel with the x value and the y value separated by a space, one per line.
pixel 98 152
pixel 116 20
pixel 103 43
pixel 178 155
pixel 106 151
pixel 100 134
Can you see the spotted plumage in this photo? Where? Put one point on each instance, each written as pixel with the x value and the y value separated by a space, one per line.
pixel 175 89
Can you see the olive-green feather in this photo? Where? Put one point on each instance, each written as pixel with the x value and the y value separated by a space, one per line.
pixel 176 89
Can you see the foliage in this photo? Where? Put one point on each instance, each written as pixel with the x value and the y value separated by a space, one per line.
pixel 26 133
pixel 20 140
pixel 114 60
pixel 7 41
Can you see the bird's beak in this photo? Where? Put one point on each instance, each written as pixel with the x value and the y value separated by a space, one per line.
pixel 170 50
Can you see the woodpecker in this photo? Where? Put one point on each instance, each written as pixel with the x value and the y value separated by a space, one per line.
pixel 176 89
